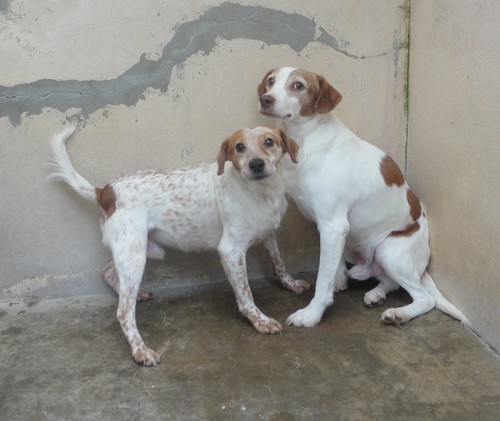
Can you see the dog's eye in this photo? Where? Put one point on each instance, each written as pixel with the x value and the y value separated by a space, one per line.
pixel 240 147
pixel 269 142
pixel 270 81
pixel 298 86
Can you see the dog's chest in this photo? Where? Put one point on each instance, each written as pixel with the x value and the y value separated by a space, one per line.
pixel 314 180
pixel 251 211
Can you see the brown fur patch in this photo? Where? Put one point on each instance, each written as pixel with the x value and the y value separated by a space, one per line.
pixel 307 99
pixel 226 152
pixel 262 86
pixel 391 172
pixel 328 97
pixel 288 145
pixel 415 206
pixel 320 96
pixel 407 232
pixel 106 199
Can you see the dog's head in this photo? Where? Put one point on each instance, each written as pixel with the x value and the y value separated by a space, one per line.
pixel 255 153
pixel 287 93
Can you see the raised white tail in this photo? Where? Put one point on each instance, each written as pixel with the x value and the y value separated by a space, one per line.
pixel 64 170
pixel 441 302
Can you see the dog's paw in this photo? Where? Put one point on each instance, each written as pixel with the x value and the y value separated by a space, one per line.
pixel 306 317
pixel 298 286
pixel 394 316
pixel 374 298
pixel 340 285
pixel 144 295
pixel 146 356
pixel 267 326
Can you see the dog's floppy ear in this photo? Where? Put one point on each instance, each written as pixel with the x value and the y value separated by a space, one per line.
pixel 289 146
pixel 223 156
pixel 261 88
pixel 328 97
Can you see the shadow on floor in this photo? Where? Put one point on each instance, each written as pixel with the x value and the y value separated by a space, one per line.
pixel 67 359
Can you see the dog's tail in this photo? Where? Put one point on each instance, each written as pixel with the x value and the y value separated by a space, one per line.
pixel 441 302
pixel 63 170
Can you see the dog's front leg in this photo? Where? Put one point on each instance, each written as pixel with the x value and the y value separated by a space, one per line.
pixel 233 260
pixel 296 285
pixel 332 241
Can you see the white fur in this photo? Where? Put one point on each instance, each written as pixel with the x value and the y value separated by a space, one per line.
pixel 338 184
pixel 191 209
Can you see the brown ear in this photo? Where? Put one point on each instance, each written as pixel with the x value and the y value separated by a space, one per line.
pixel 223 156
pixel 289 146
pixel 262 86
pixel 328 97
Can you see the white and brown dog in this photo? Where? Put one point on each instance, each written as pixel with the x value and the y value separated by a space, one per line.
pixel 223 206
pixel 358 197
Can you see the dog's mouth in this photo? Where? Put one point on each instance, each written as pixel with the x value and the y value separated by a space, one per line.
pixel 258 177
pixel 270 114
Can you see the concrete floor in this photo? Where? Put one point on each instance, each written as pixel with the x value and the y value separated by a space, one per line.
pixel 68 360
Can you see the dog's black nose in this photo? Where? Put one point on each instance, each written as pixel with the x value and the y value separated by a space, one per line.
pixel 266 101
pixel 257 165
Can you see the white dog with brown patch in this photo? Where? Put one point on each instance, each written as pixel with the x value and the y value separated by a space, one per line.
pixel 223 206
pixel 358 197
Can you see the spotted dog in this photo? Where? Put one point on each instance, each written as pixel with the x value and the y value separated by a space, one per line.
pixel 226 205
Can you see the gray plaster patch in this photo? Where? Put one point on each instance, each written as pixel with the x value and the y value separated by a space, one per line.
pixel 4 5
pixel 228 21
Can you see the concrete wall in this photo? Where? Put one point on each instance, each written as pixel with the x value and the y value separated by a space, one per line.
pixel 161 83
pixel 454 149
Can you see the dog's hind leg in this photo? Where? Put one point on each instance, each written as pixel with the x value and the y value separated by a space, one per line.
pixel 404 260
pixel 296 285
pixel 128 244
pixel 422 300
pixel 376 296
pixel 108 274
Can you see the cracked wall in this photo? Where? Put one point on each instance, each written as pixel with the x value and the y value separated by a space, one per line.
pixel 155 86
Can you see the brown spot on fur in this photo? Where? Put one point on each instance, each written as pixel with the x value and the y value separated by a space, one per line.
pixel 281 140
pixel 226 151
pixel 288 145
pixel 391 172
pixel 415 206
pixel 328 97
pixel 262 86
pixel 407 232
pixel 320 97
pixel 106 199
